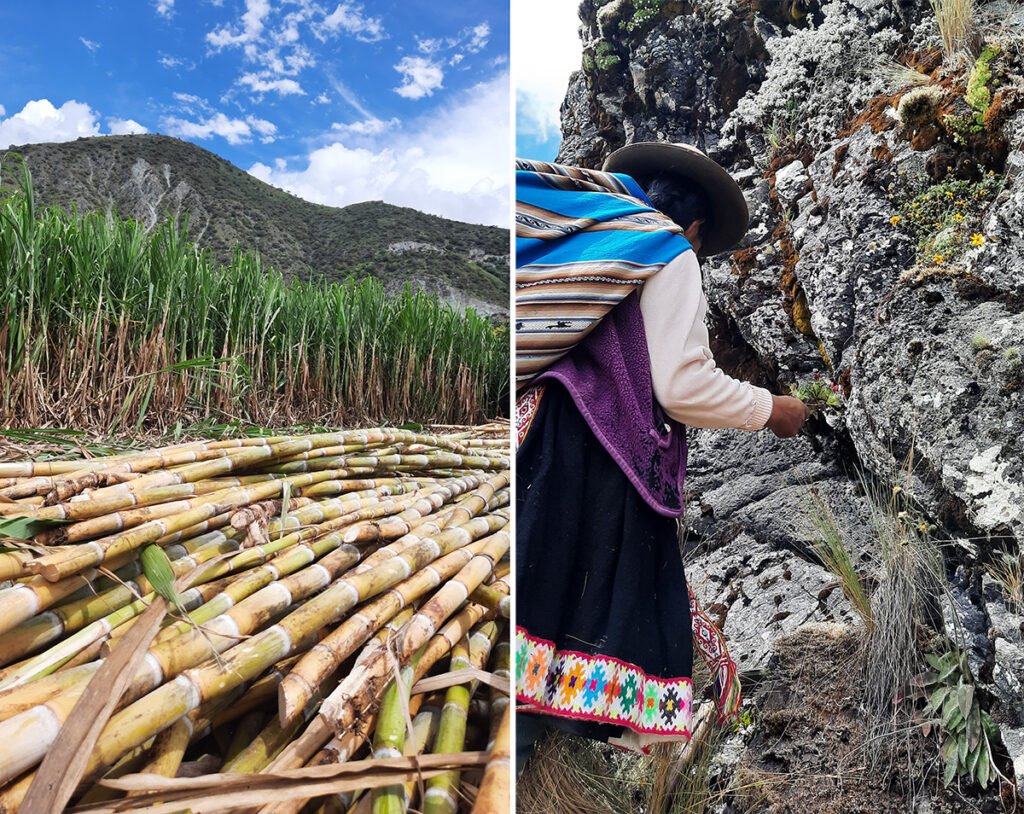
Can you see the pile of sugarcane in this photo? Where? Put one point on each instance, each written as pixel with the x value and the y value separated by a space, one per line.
pixel 271 624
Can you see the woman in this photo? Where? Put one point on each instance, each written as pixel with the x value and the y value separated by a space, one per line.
pixel 604 644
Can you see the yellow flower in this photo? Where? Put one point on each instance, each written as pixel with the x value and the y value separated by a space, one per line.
pixel 949 193
pixel 895 219
pixel 958 217
pixel 938 258
pixel 977 239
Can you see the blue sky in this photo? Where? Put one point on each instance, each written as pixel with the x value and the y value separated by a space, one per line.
pixel 401 100
pixel 544 55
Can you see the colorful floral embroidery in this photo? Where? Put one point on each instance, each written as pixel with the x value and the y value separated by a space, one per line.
pixel 526 410
pixel 600 688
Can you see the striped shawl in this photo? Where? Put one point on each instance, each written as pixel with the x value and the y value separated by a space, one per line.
pixel 584 241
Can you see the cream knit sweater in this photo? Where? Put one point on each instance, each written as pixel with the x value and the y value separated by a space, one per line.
pixel 687 383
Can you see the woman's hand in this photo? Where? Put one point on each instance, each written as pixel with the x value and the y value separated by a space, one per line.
pixel 788 416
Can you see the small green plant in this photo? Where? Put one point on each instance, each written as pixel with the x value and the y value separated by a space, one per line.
pixel 961 126
pixel 819 394
pixel 945 217
pixel 978 94
pixel 981 342
pixel 782 135
pixel 603 56
pixel 954 710
pixel 644 11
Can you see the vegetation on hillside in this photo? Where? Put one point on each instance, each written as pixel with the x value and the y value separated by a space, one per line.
pixel 230 207
pixel 106 325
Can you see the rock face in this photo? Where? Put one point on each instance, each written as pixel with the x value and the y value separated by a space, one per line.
pixel 841 275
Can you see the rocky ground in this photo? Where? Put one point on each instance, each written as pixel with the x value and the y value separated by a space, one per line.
pixel 857 270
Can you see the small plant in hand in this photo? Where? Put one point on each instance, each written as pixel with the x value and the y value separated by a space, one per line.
pixel 954 711
pixel 819 394
pixel 945 218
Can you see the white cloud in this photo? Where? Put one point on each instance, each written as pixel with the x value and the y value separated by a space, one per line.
pixel 92 46
pixel 451 162
pixel 322 99
pixel 124 127
pixel 478 38
pixel 429 45
pixel 367 127
pixel 260 84
pixel 234 131
pixel 349 17
pixel 349 96
pixel 190 99
pixel 165 8
pixel 252 25
pixel 2 111
pixel 456 59
pixel 40 121
pixel 421 77
pixel 544 57
pixel 170 62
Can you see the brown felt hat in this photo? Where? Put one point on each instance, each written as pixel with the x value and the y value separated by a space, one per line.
pixel 646 159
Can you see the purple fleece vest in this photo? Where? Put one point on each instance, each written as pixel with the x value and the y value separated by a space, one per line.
pixel 608 376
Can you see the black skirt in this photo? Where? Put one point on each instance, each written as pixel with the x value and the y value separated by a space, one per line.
pixel 599 577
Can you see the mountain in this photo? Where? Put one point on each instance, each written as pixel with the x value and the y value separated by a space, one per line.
pixel 151 177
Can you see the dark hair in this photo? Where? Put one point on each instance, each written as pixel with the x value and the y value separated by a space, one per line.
pixel 680 199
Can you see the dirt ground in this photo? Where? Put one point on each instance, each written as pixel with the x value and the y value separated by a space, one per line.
pixel 810 751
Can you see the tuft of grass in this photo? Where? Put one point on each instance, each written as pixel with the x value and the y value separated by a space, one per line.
pixel 957 27
pixel 1008 571
pixel 895 75
pixel 829 544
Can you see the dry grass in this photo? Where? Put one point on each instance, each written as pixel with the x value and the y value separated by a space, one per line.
pixel 1008 571
pixel 957 28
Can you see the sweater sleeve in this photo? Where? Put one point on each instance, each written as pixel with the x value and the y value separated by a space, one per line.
pixel 686 382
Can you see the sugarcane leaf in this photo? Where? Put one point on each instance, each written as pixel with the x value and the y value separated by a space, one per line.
pixel 157 568
pixel 24 528
pixel 956 721
pixel 964 697
pixel 286 498
pixel 65 764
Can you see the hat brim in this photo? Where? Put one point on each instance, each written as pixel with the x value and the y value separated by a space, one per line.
pixel 646 159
